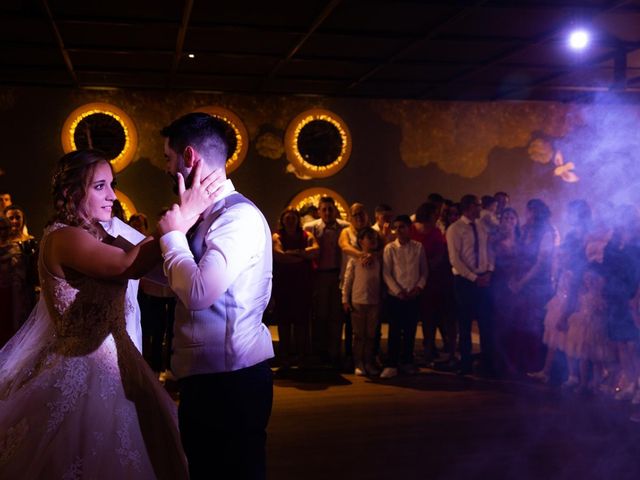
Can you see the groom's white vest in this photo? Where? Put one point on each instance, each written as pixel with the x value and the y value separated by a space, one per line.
pixel 228 335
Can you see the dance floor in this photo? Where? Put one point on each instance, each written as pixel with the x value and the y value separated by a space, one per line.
pixel 436 425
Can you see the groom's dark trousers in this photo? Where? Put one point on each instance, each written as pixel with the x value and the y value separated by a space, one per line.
pixel 223 420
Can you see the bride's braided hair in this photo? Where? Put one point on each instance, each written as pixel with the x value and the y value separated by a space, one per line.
pixel 69 184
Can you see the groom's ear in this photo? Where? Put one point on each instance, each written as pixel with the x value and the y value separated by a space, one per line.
pixel 189 156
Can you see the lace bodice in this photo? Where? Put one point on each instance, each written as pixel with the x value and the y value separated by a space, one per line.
pixel 84 310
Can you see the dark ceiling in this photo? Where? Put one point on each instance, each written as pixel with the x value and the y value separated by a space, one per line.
pixel 446 49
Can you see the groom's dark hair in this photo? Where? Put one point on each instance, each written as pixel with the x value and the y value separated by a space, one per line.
pixel 203 132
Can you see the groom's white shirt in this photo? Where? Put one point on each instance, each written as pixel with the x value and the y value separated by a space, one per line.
pixel 117 228
pixel 222 278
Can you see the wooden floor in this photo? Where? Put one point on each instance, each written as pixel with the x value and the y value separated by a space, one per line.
pixel 327 425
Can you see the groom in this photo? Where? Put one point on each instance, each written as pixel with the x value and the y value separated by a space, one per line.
pixel 221 273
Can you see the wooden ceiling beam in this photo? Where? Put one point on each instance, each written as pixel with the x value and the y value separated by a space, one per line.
pixel 182 33
pixel 429 34
pixel 596 63
pixel 60 43
pixel 521 46
pixel 331 6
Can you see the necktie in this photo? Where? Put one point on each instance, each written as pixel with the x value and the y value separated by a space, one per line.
pixel 476 244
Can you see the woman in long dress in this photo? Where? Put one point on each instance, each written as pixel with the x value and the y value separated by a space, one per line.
pixel 505 244
pixel 293 253
pixel 77 400
pixel 533 287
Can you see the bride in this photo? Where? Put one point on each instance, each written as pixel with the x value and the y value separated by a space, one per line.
pixel 77 399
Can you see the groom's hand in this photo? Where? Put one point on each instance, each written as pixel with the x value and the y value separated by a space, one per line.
pixel 201 193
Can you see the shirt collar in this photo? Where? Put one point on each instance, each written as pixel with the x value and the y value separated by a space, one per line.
pixel 333 226
pixel 227 189
pixel 401 245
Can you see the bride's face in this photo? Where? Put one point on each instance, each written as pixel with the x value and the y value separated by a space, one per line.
pixel 98 201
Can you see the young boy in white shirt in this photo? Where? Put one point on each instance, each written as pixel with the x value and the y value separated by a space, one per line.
pixel 405 274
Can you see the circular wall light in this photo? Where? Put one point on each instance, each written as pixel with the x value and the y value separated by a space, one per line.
pixel 237 135
pixel 102 126
pixel 318 143
pixel 312 196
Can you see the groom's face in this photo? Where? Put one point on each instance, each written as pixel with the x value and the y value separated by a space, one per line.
pixel 175 165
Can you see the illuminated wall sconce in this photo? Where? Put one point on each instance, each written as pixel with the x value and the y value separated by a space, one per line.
pixel 104 127
pixel 238 136
pixel 127 205
pixel 312 196
pixel 318 143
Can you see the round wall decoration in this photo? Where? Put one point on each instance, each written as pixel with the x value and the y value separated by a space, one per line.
pixel 127 204
pixel 312 196
pixel 318 143
pixel 102 126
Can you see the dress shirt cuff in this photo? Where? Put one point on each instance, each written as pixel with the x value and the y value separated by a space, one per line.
pixel 469 275
pixel 393 290
pixel 172 240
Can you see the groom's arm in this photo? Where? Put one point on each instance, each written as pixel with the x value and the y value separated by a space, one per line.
pixel 232 244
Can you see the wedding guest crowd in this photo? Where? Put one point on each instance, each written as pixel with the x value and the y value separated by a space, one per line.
pixel 547 307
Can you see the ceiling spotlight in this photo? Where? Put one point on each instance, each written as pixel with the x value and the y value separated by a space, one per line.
pixel 579 39
pixel 191 55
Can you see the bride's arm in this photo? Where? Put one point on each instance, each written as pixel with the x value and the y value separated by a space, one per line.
pixel 148 257
pixel 74 248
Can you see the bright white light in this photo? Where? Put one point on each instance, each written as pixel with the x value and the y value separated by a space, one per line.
pixel 191 55
pixel 579 39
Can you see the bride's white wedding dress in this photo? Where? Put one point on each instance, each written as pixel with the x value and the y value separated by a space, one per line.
pixel 77 399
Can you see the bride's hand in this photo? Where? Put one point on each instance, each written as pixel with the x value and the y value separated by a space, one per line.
pixel 202 192
pixel 173 220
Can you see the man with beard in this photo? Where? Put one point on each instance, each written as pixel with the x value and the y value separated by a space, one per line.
pixel 220 269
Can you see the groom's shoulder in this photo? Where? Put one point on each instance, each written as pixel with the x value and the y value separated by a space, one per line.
pixel 237 209
pixel 238 204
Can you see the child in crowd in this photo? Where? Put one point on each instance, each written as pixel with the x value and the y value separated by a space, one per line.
pixel 587 344
pixel 405 274
pixel 555 326
pixel 586 341
pixel 361 295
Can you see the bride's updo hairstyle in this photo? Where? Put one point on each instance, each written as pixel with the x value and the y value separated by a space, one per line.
pixel 69 184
